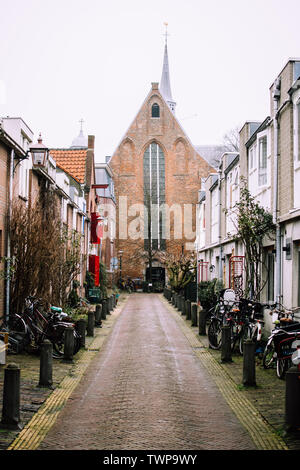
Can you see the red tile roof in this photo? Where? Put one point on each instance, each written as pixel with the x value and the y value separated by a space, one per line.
pixel 72 161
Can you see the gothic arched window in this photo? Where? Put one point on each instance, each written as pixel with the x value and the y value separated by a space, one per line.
pixel 154 197
pixel 155 111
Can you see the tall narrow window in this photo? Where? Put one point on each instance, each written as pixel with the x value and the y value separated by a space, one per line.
pixel 262 168
pixel 154 197
pixel 155 110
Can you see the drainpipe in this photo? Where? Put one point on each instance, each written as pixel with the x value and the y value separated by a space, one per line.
pixel 220 234
pixel 276 97
pixel 8 251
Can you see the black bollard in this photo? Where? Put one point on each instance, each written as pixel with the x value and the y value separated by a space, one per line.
pixel 292 399
pixel 202 322
pixel 226 353
pixel 194 314
pixel 90 324
pixel 188 309
pixel 249 363
pixel 11 398
pixel 81 329
pixel 69 345
pixel 98 322
pixel 181 304
pixel 104 309
pixel 46 364
pixel 108 306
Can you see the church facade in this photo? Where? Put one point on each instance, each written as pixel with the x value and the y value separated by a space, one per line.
pixel 157 176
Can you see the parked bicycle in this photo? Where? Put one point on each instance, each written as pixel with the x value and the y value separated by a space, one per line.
pixel 217 316
pixel 34 327
pixel 282 341
pixel 244 316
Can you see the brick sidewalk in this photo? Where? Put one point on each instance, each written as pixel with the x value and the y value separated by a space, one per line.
pixel 31 395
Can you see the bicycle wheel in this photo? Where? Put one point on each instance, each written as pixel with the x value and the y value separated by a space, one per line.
pixel 281 368
pixel 268 356
pixel 77 342
pixel 59 343
pixel 17 324
pixel 214 334
pixel 244 334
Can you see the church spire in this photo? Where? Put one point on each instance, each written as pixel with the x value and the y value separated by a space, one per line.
pixel 165 87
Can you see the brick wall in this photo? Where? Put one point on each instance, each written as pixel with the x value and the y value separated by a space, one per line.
pixel 184 169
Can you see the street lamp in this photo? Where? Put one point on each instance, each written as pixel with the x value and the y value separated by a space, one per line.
pixel 39 153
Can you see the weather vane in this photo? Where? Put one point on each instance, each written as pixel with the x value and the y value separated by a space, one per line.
pixel 166 33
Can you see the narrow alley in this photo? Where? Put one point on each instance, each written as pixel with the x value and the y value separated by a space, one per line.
pixel 146 389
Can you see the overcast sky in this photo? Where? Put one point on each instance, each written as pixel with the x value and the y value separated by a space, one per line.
pixel 63 60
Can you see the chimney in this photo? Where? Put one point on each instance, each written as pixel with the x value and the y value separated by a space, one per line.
pixel 91 142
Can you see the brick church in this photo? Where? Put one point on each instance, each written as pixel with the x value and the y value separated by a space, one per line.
pixel 157 176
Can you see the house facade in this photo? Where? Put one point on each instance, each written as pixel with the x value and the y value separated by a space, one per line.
pixel 268 163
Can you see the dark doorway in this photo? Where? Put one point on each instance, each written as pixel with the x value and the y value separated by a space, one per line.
pixel 158 275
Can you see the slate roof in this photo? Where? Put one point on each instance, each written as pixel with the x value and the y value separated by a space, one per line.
pixel 211 153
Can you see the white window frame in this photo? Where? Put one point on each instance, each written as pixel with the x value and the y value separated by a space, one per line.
pixel 260 139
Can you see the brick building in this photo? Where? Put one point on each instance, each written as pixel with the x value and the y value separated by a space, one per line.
pixel 75 167
pixel 12 154
pixel 157 174
pixel 268 160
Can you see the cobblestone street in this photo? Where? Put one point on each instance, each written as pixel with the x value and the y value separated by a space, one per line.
pixel 146 380
pixel 146 390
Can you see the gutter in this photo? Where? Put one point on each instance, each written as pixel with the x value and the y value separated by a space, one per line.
pixel 276 221
pixel 8 244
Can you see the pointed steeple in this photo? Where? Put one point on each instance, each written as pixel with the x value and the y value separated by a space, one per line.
pixel 165 87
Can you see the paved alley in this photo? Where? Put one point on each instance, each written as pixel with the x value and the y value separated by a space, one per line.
pixel 146 390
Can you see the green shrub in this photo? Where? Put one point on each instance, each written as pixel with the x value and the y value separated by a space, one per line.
pixel 208 293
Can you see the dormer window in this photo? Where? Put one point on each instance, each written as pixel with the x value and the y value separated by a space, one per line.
pixel 155 111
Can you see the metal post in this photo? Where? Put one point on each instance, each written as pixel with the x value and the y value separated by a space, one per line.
pixel 90 324
pixel 249 363
pixel 292 399
pixel 226 353
pixel 188 309
pixel 98 322
pixel 81 328
pixel 194 314
pixel 104 309
pixel 202 322
pixel 46 364
pixel 11 398
pixel 69 345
